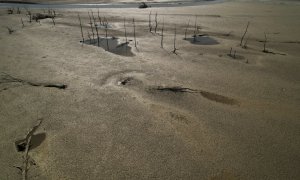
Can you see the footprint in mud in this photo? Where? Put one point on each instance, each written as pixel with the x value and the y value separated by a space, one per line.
pixel 219 98
pixel 36 140
pixel 208 95
pixel 136 81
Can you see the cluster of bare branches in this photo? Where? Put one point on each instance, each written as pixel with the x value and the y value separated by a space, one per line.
pixel 94 25
pixel 153 26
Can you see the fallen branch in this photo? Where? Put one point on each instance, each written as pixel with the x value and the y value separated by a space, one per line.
pixel 6 78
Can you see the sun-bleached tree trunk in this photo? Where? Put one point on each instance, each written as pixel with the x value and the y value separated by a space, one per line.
pixel 134 32
pixel 81 28
pixel 186 28
pixel 162 35
pixel 242 39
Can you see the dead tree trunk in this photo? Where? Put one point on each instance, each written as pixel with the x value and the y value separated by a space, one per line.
pixel 245 45
pixel 156 24
pixel 26 157
pixel 265 43
pixel 150 24
pixel 99 18
pixel 10 30
pixel 98 41
pixel 188 24
pixel 125 32
pixel 81 29
pixel 195 30
pixel 96 27
pixel 91 25
pixel 107 46
pixel 93 18
pixel 30 16
pixel 134 32
pixel 90 38
pixel 162 35
pixel 22 23
pixel 53 20
pixel 174 50
pixel 242 39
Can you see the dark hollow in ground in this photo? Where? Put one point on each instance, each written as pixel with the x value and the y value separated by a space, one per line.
pixel 202 40
pixel 36 140
pixel 114 46
pixel 125 81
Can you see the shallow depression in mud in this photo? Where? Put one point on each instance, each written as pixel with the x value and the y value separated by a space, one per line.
pixel 111 45
pixel 36 140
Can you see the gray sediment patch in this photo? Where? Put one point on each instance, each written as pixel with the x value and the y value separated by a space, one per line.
pixel 111 45
pixel 202 40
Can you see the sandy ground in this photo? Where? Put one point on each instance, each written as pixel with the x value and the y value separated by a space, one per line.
pixel 238 119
